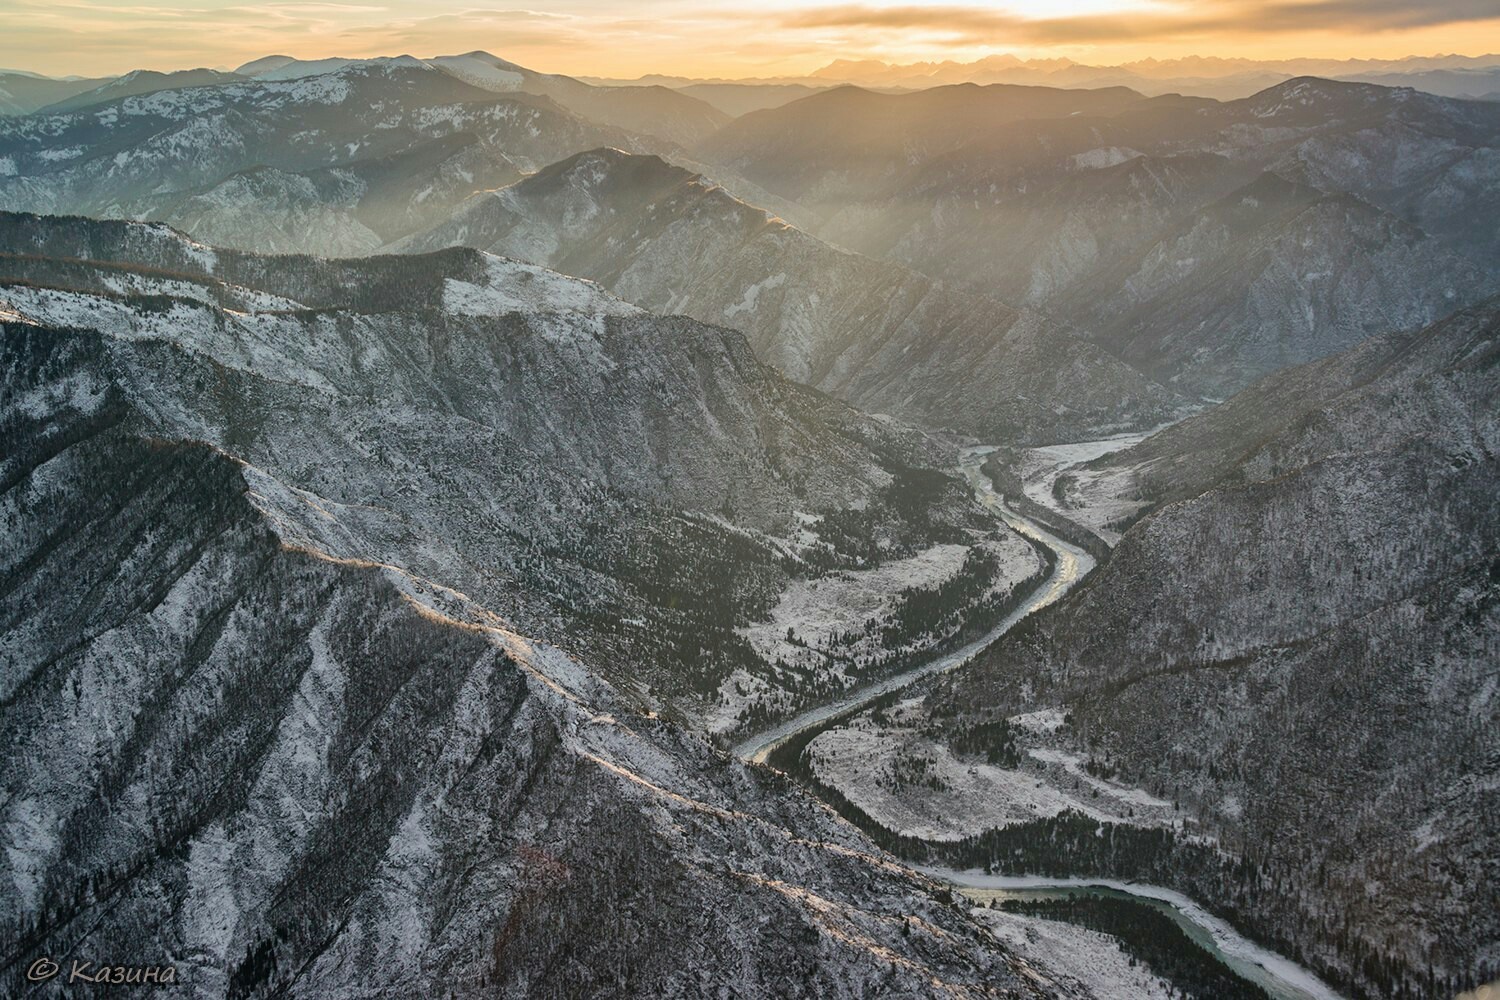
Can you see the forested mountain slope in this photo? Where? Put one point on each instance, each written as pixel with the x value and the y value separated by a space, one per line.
pixel 883 337
pixel 280 772
pixel 639 488
pixel 1205 243
pixel 1299 640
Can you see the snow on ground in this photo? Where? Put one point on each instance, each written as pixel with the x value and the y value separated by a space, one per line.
pixel 299 68
pixel 1047 720
pixel 1078 452
pixel 515 286
pixel 829 618
pixel 1072 763
pixel 472 69
pixel 752 295
pixel 909 782
pixel 1092 958
pixel 203 255
pixel 1093 499
pixel 807 533
pixel 738 692
pixel 1245 957
pixel 1102 157
pixel 919 788
pixel 814 609
pixel 31 833
pixel 135 283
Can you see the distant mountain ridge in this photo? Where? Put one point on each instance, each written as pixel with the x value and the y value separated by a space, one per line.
pixel 883 338
pixel 1153 224
pixel 23 93
pixel 1219 78
pixel 655 111
pixel 139 82
pixel 1159 228
pixel 303 147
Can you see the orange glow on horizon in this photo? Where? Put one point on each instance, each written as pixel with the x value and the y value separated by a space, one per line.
pixel 722 39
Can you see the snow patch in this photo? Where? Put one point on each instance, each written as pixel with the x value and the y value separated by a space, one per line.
pixel 1104 156
pixel 514 286
pixel 920 789
pixel 748 301
pixel 1046 720
pixel 1091 957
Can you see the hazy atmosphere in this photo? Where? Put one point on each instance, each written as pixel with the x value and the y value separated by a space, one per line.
pixel 725 38
pixel 995 501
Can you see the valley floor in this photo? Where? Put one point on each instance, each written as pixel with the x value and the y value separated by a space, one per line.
pixel 1071 564
pixel 887 759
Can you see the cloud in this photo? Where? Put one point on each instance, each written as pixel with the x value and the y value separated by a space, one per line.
pixel 973 25
pixel 62 36
pixel 713 38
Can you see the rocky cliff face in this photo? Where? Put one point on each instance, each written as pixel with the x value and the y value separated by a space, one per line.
pixel 271 683
pixel 1299 638
pixel 878 335
pixel 284 773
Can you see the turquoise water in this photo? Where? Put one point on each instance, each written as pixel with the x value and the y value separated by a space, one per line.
pixel 1278 988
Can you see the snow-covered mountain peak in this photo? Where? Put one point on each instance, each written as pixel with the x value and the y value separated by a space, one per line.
pixel 482 69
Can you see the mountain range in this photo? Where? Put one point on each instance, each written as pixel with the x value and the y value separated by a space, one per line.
pixel 1471 77
pixel 639 488
pixel 1204 243
pixel 288 718
pixel 418 472
pixel 1201 244
pixel 882 337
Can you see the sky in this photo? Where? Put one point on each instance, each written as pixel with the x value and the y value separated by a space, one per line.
pixel 727 38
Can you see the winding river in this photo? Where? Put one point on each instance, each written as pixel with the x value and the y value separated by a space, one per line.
pixel 1281 978
pixel 1073 564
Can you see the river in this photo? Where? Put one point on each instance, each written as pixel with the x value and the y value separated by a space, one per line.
pixel 1280 977
pixel 1277 975
pixel 1072 565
